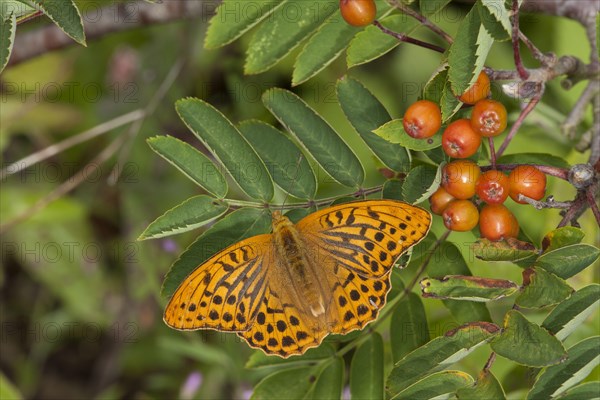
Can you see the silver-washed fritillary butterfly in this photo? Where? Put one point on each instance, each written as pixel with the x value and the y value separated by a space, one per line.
pixel 284 292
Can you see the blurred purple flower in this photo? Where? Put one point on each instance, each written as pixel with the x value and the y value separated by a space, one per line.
pixel 169 245
pixel 191 386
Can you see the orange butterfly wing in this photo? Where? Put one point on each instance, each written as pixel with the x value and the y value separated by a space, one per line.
pixel 361 242
pixel 224 292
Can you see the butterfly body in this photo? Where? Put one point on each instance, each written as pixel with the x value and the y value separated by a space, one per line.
pixel 284 292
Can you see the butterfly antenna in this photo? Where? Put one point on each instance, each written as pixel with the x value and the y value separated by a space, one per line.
pixel 287 193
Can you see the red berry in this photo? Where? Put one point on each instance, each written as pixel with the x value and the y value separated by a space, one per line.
pixel 489 118
pixel 492 187
pixel 460 215
pixel 439 201
pixel 459 140
pixel 496 222
pixel 528 181
pixel 480 90
pixel 422 119
pixel 358 12
pixel 459 177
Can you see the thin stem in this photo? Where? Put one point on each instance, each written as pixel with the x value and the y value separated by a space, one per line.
pixel 318 203
pixel 578 204
pixel 592 203
pixel 425 262
pixel 407 39
pixel 423 20
pixel 492 152
pixel 546 169
pixel 135 128
pixel 67 185
pixel 515 41
pixel 537 53
pixel 551 203
pixel 29 17
pixel 59 147
pixel 489 362
pixel 576 115
pixel 513 131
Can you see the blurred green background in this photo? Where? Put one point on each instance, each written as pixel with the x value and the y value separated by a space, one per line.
pixel 81 311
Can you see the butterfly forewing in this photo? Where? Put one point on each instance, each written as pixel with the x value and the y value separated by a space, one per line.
pixel 358 244
pixel 224 292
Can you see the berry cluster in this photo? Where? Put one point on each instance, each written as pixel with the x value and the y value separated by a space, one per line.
pixel 462 179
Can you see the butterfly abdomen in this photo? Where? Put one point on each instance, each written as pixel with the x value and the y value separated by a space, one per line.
pixel 302 277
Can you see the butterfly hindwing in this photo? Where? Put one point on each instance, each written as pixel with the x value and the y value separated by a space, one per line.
pixel 280 329
pixel 224 292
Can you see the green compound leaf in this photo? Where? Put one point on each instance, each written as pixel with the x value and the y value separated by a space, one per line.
pixel 287 27
pixel 259 359
pixel 366 113
pixel 238 225
pixel 434 88
pixel 65 14
pixel 288 166
pixel 438 354
pixel 321 381
pixel 585 391
pixel 486 387
pixel 191 214
pixel 371 43
pixel 535 159
pixel 290 383
pixel 569 314
pixel 561 237
pixel 393 132
pixel 316 135
pixel 330 381
pixel 193 164
pixel 435 386
pixel 568 261
pixel 326 45
pixel 448 260
pixel 495 19
pixel 8 29
pixel 542 289
pixel 421 182
pixel 227 145
pixel 527 343
pixel 233 18
pixel 512 250
pixel 468 52
pixel 366 371
pixel 408 327
pixel 470 288
pixel 556 379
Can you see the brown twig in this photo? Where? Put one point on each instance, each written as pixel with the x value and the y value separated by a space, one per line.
pixel 591 199
pixel 576 115
pixel 489 362
pixel 492 152
pixel 544 59
pixel 546 169
pixel 550 203
pixel 423 20
pixel 407 39
pixel 530 106
pixel 523 74
pixel 115 18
